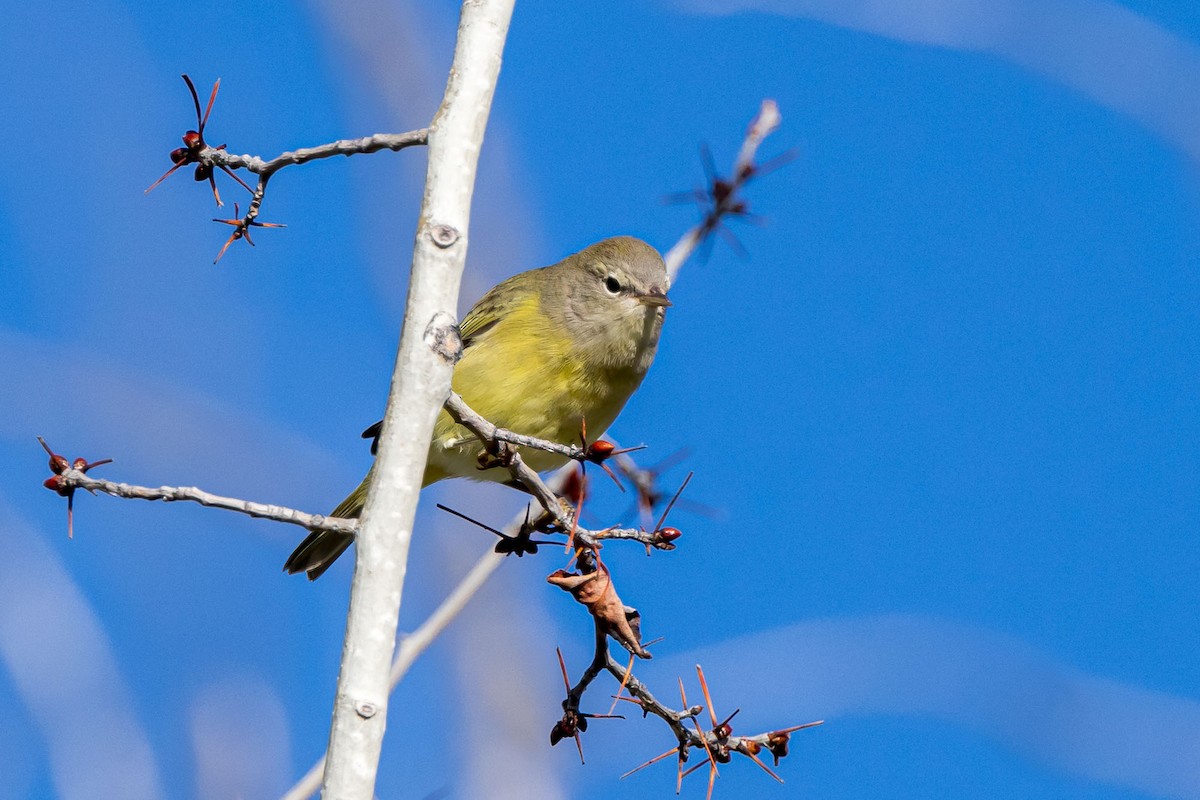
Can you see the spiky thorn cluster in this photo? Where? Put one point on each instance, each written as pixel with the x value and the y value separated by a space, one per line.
pixel 592 585
pixel 208 159
pixel 718 743
pixel 61 481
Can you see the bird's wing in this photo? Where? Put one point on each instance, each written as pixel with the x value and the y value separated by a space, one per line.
pixel 485 315
pixel 491 309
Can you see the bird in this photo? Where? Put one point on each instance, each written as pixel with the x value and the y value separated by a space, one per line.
pixel 544 353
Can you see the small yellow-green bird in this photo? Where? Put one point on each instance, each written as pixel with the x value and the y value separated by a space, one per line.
pixel 543 352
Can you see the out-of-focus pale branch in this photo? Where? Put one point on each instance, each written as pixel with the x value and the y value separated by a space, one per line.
pixel 723 194
pixel 414 644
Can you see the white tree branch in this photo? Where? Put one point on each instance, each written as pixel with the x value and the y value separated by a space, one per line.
pixel 429 346
pixel 413 645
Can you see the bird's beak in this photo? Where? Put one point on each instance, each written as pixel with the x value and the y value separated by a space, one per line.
pixel 655 298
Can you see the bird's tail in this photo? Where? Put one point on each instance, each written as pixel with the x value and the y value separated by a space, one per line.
pixel 321 548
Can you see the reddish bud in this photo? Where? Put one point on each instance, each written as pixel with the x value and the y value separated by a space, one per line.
pixel 53 483
pixel 600 449
pixel 191 139
pixel 777 743
pixel 668 534
pixel 58 464
pixel 80 464
pixel 178 155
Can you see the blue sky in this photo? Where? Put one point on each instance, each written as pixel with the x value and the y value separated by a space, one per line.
pixel 946 409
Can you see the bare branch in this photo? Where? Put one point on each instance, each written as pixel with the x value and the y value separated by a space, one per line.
pixel 493 438
pixel 490 434
pixel 75 479
pixel 265 169
pixel 342 147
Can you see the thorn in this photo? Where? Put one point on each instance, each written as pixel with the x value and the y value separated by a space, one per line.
pixel 579 746
pixel 645 764
pixel 195 100
pixel 241 226
pixel 765 768
pixel 712 712
pixel 708 163
pixel 563 666
pixel 165 175
pixel 234 175
pixel 624 680
pixel 732 240
pixel 679 198
pixel 671 504
pixel 211 99
pixel 774 163
pixel 217 196
pixel 679 774
pixel 578 511
pixel 795 728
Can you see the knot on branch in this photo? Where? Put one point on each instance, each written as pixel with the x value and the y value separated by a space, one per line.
pixel 443 235
pixel 442 336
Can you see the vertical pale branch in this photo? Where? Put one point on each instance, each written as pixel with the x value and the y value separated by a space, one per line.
pixel 428 349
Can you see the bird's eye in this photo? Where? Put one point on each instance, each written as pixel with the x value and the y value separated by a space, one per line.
pixel 612 285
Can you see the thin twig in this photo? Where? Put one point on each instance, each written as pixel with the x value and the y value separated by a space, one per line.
pixel 492 436
pixel 73 478
pixel 343 147
pixel 488 432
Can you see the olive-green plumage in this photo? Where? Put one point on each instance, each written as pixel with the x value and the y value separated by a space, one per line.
pixel 542 352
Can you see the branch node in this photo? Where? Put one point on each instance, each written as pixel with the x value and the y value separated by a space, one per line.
pixel 443 235
pixel 441 335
